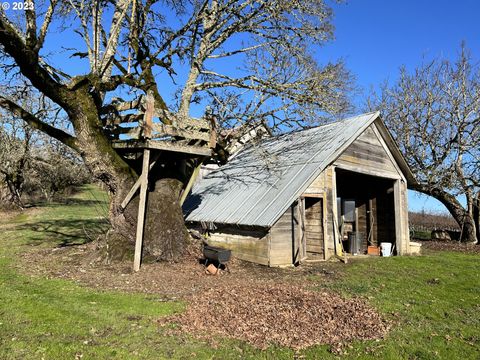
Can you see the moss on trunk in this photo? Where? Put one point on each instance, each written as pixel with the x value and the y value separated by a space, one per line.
pixel 166 236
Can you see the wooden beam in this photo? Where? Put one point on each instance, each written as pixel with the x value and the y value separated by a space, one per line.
pixel 337 238
pixel 162 145
pixel 136 186
pixel 148 117
pixel 163 130
pixel 186 149
pixel 129 144
pixel 188 122
pixel 194 176
pixel 303 239
pixel 141 210
pixel 402 242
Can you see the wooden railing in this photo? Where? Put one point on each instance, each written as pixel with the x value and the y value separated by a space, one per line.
pixel 190 135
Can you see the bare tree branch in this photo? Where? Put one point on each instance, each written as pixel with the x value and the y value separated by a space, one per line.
pixel 36 123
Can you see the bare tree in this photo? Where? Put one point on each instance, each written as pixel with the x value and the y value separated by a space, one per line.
pixel 16 142
pixel 31 162
pixel 254 53
pixel 434 114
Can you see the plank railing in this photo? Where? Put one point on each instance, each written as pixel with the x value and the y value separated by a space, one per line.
pixel 197 132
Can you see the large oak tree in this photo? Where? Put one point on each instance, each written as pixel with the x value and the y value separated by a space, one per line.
pixel 247 60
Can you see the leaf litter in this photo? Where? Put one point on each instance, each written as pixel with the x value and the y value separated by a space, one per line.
pixel 256 304
pixel 284 315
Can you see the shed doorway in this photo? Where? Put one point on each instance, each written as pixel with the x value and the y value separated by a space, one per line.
pixel 313 228
pixel 365 209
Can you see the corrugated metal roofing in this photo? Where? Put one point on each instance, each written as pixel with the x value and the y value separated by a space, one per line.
pixel 258 185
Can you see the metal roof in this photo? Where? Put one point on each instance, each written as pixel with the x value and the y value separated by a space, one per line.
pixel 259 184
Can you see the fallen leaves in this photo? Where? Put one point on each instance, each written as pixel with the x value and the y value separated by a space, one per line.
pixel 278 314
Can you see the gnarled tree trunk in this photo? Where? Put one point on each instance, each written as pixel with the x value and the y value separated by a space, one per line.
pixel 462 216
pixel 165 234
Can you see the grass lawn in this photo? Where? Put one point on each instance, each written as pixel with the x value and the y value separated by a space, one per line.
pixel 433 301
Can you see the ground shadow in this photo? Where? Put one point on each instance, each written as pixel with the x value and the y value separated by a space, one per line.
pixel 71 202
pixel 65 232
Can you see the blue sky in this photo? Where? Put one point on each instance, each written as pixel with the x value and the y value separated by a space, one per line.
pixel 376 37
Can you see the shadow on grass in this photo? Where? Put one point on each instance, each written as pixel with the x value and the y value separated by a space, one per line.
pixel 64 232
pixel 71 202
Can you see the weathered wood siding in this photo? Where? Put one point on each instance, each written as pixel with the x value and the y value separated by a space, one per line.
pixel 245 243
pixel 283 241
pixel 368 155
pixel 323 186
pixel 314 226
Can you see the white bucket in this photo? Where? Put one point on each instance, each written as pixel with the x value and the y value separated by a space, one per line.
pixel 386 249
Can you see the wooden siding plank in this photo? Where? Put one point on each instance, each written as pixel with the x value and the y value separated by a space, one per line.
pixel 367 154
pixel 314 225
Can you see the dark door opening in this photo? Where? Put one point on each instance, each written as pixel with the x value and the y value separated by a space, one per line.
pixel 372 200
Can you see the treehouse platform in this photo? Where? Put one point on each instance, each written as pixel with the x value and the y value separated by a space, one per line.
pixel 195 138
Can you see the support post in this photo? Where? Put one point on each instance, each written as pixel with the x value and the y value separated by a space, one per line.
pixel 141 210
pixel 187 189
pixel 137 184
pixel 401 217
pixel 148 117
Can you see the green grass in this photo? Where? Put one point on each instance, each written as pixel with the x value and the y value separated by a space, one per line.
pixel 433 302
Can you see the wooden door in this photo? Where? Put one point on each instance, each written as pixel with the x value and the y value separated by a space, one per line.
pixel 314 227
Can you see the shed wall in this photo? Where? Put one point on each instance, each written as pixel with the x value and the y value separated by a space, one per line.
pixel 246 244
pixel 284 238
pixel 323 186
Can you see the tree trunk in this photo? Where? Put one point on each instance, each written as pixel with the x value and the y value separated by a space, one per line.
pixel 464 220
pixel 166 236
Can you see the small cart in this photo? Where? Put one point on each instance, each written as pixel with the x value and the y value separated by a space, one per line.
pixel 217 254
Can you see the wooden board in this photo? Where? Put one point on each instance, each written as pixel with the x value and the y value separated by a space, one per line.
pixel 141 210
pixel 314 225
pixel 246 244
pixel 282 240
pixel 162 145
pixel 368 155
pixel 160 130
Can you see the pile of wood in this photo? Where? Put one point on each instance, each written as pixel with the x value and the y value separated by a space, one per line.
pixel 278 314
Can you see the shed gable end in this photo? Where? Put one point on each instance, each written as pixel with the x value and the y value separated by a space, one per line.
pixel 368 154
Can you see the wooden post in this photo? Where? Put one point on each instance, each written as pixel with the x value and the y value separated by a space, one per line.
pixel 137 184
pixel 148 117
pixel 302 244
pixel 337 238
pixel 141 210
pixel 194 176
pixel 401 217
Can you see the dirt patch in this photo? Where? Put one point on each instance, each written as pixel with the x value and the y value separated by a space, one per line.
pixel 450 246
pixel 171 280
pixel 288 316
pixel 254 303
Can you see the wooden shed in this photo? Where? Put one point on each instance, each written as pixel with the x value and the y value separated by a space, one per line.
pixel 305 195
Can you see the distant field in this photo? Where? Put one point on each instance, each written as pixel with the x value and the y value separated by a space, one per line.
pixel 433 302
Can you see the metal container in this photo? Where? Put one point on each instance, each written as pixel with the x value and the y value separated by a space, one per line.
pixel 214 253
pixel 354 243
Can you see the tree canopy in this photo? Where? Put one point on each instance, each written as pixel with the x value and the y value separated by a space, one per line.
pixel 434 113
pixel 243 60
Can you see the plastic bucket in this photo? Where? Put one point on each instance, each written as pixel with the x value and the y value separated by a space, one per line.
pixel 386 249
